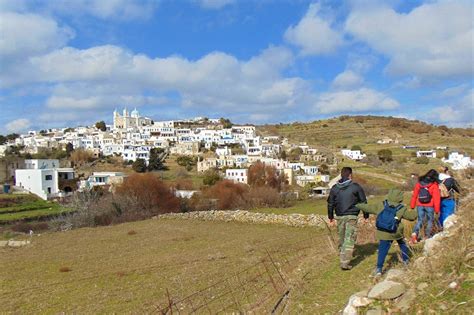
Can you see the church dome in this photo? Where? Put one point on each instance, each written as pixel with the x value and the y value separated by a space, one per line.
pixel 135 113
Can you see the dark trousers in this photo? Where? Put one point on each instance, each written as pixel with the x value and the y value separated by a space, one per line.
pixel 384 247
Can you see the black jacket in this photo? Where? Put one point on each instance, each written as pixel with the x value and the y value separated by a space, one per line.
pixel 343 199
pixel 452 186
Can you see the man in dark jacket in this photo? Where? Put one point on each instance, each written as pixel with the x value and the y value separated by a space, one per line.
pixel 343 198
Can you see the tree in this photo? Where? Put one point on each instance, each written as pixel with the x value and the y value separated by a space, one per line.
pixel 211 177
pixel 3 139
pixel 187 161
pixel 385 155
pixel 12 136
pixel 139 166
pixel 156 159
pixel 324 169
pixel 356 148
pixel 260 175
pixel 101 125
pixel 295 154
pixel 283 155
pixel 226 123
pixel 81 156
pixel 69 149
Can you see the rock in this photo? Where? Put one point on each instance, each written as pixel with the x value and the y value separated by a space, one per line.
pixel 394 274
pixel 386 290
pixel 3 243
pixel 406 300
pixel 375 311
pixel 422 287
pixel 17 243
pixel 453 285
pixel 450 221
pixel 419 262
pixel 356 300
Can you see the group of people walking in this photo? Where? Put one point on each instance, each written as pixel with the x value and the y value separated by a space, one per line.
pixel 434 193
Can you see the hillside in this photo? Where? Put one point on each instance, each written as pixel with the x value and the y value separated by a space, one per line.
pixel 365 131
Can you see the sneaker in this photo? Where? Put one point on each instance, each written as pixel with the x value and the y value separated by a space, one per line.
pixel 414 238
pixel 377 273
pixel 346 267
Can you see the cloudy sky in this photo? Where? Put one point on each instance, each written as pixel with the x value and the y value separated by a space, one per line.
pixel 70 62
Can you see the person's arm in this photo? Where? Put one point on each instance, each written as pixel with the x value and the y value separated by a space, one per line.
pixel 436 198
pixel 414 196
pixel 410 215
pixel 456 187
pixel 362 199
pixel 367 208
pixel 331 203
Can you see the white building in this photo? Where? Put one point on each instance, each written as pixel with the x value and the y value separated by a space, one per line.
pixel 237 175
pixel 355 155
pixel 102 179
pixel 459 161
pixel 44 179
pixel 428 154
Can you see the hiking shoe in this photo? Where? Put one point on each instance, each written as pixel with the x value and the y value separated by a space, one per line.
pixel 346 267
pixel 377 273
pixel 413 238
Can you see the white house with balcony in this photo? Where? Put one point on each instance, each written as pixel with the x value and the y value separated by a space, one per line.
pixel 459 161
pixel 355 155
pixel 44 178
pixel 427 153
pixel 237 175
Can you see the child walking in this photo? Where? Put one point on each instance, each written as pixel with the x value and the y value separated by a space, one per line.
pixel 385 238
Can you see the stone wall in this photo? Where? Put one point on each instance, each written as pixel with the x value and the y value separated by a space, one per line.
pixel 296 220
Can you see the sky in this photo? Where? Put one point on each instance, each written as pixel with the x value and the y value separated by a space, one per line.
pixel 65 63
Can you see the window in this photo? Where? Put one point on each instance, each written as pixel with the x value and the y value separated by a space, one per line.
pixel 48 177
pixel 49 190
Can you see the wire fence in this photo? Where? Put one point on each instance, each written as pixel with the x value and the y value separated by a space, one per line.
pixel 262 287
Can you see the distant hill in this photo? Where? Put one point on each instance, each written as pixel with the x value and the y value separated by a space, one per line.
pixel 346 131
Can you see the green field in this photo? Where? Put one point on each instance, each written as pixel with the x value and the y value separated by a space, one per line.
pixel 113 270
pixel 15 207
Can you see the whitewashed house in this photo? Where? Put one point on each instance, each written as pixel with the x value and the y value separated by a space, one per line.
pixel 428 153
pixel 102 179
pixel 355 155
pixel 44 178
pixel 459 161
pixel 237 175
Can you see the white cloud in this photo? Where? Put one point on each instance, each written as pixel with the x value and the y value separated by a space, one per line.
pixel 358 100
pixel 434 39
pixel 18 125
pixel 455 90
pixel 313 34
pixel 214 4
pixel 459 113
pixel 347 79
pixel 25 35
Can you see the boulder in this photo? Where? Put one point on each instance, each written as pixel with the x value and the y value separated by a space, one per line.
pixel 407 299
pixel 3 243
pixel 18 243
pixel 450 221
pixel 395 274
pixel 375 311
pixel 356 300
pixel 386 290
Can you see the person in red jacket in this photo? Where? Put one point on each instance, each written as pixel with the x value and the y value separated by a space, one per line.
pixel 427 200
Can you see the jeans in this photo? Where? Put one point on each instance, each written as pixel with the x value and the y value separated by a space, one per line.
pixel 428 213
pixel 384 247
pixel 448 207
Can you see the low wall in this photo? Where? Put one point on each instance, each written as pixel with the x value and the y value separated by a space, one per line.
pixel 296 220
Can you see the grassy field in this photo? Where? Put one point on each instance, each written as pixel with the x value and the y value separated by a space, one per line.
pixel 15 207
pixel 130 267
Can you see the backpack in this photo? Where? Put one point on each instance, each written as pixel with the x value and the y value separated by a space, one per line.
pixel 424 195
pixel 443 190
pixel 387 220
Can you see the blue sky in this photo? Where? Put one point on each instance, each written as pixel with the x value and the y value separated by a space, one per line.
pixel 66 63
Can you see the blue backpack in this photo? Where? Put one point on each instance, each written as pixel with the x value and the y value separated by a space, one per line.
pixel 387 220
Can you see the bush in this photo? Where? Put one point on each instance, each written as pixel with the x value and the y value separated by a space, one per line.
pixel 422 160
pixel 385 155
pixel 24 227
pixel 186 161
pixel 356 148
pixel 228 195
pixel 260 175
pixel 211 177
pixel 139 166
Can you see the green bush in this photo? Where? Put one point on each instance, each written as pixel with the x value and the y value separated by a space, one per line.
pixel 422 160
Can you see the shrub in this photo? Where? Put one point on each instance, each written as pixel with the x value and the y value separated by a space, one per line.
pixel 228 195
pixel 139 166
pixel 263 196
pixel 184 184
pixel 359 120
pixel 211 177
pixel 81 156
pixel 356 148
pixel 186 161
pixel 24 227
pixel 422 160
pixel 385 155
pixel 260 175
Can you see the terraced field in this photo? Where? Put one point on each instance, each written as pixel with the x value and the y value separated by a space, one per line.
pixel 16 207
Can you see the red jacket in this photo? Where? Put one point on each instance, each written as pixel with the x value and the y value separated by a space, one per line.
pixel 433 188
